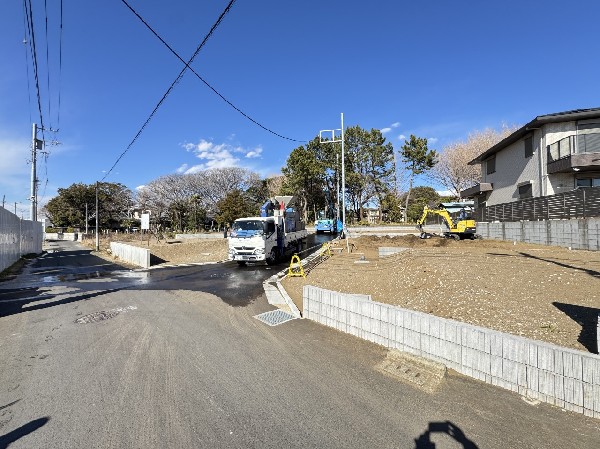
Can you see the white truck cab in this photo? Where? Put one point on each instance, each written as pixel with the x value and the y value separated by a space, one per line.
pixel 267 238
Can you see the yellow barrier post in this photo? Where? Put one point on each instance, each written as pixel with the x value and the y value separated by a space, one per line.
pixel 296 269
pixel 326 247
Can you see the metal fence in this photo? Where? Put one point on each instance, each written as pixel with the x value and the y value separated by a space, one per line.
pixel 579 203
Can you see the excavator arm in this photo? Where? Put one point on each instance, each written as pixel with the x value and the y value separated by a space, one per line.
pixel 441 212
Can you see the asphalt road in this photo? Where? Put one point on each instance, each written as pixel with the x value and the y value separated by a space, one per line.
pixel 94 355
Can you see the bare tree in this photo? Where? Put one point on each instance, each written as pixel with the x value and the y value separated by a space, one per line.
pixel 452 169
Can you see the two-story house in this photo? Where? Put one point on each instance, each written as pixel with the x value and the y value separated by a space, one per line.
pixel 551 154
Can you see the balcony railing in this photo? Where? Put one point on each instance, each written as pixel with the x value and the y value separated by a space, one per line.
pixel 581 143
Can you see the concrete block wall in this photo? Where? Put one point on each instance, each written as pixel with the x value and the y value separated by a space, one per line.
pixel 212 235
pixel 576 234
pixel 68 236
pixel 564 377
pixel 385 251
pixel 131 254
pixel 17 238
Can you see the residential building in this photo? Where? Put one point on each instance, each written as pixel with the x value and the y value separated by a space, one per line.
pixel 551 154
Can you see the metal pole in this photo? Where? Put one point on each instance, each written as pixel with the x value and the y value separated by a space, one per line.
pixel 97 235
pixel 344 188
pixel 337 187
pixel 33 212
pixel 86 218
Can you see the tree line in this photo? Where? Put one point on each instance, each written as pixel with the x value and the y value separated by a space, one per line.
pixel 375 175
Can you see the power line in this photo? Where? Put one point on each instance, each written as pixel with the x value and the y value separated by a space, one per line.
pixel 48 65
pixel 187 66
pixel 60 63
pixel 30 26
pixel 25 41
pixel 166 94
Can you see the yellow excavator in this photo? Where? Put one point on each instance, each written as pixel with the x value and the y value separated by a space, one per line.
pixel 463 228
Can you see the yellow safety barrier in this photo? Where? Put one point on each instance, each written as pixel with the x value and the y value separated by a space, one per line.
pixel 296 269
pixel 326 249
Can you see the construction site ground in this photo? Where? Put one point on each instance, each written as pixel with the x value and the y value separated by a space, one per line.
pixel 540 292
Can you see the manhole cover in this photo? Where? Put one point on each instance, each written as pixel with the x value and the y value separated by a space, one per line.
pixel 275 317
pixel 103 315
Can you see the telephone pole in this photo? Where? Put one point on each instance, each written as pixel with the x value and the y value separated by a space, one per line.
pixel 34 148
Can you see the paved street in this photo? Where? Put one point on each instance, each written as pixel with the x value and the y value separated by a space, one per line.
pixel 96 355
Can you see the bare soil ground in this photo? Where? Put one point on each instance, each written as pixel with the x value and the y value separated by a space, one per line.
pixel 540 292
pixel 544 293
pixel 170 251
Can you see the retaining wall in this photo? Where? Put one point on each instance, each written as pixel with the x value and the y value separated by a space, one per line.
pixel 564 377
pixel 17 238
pixel 213 235
pixel 69 236
pixel 131 254
pixel 576 234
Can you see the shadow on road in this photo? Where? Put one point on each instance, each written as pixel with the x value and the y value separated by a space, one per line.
pixel 15 307
pixel 448 428
pixel 587 318
pixel 30 427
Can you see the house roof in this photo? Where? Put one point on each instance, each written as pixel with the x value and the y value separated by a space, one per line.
pixel 567 116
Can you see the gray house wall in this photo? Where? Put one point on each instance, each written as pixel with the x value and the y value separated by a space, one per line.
pixel 512 169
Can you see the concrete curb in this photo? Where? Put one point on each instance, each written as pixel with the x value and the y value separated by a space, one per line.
pixel 276 294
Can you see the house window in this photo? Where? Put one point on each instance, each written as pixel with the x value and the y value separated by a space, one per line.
pixel 529 146
pixel 525 191
pixel 490 165
pixel 587 182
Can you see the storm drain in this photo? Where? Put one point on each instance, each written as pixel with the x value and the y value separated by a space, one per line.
pixel 103 315
pixel 275 317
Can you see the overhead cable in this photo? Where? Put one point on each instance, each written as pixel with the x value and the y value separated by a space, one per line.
pixel 166 94
pixel 187 66
pixel 30 26
pixel 48 65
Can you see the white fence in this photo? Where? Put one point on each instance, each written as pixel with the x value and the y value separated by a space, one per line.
pixel 131 254
pixel 564 377
pixel 17 238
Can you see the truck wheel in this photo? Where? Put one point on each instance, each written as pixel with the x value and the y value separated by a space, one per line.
pixel 241 263
pixel 272 259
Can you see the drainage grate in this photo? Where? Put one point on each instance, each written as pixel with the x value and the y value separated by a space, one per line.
pixel 275 317
pixel 104 315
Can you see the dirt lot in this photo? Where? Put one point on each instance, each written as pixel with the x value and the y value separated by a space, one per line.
pixel 171 251
pixel 545 293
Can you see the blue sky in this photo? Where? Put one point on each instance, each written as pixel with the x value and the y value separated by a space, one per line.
pixel 435 69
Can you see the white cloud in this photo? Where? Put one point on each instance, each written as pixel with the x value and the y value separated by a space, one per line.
pixel 402 137
pixel 15 155
pixel 140 188
pixel 217 155
pixel 444 193
pixel 432 140
pixel 254 153
pixel 389 128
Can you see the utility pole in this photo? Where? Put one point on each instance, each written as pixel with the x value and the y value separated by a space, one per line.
pixel 97 236
pixel 34 145
pixel 86 219
pixel 334 140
